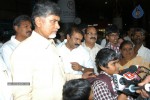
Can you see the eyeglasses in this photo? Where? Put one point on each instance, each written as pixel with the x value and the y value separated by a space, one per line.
pixel 91 34
pixel 114 35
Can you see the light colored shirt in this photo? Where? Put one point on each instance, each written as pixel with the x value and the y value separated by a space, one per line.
pixel 79 55
pixel 103 42
pixel 7 49
pixel 5 77
pixel 1 44
pixel 93 52
pixel 127 38
pixel 37 62
pixel 144 53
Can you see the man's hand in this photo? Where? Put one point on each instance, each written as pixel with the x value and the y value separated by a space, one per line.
pixel 143 93
pixel 88 75
pixel 76 66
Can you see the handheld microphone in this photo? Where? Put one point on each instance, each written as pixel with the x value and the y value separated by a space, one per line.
pixel 125 78
pixel 131 73
pixel 131 69
pixel 119 82
pixel 132 88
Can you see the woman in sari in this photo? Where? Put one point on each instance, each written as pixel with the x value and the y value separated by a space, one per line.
pixel 128 57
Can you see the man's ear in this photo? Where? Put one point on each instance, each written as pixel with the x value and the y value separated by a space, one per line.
pixel 38 21
pixel 15 27
pixel 103 68
pixel 68 36
pixel 107 37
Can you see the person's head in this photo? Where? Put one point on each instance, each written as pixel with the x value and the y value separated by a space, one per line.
pixel 90 35
pixel 77 89
pixel 127 50
pixel 74 37
pixel 130 31
pixel 112 34
pixel 23 27
pixel 106 60
pixel 138 36
pixel 45 17
pixel 62 36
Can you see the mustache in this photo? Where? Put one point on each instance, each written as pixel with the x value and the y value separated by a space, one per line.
pixel 77 45
pixel 93 38
pixel 29 31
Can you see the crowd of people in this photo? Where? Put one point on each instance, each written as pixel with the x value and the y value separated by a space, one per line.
pixel 34 65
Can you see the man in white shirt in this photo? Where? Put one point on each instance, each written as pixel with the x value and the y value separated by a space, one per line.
pixel 76 59
pixel 37 70
pixel 90 44
pixel 138 40
pixel 22 27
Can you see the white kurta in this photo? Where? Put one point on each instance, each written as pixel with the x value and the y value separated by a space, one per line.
pixel 79 55
pixel 37 62
pixel 144 53
pixel 93 52
pixel 7 49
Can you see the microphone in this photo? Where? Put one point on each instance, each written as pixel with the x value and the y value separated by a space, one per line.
pixel 125 78
pixel 132 88
pixel 142 69
pixel 131 69
pixel 119 82
pixel 126 81
pixel 131 73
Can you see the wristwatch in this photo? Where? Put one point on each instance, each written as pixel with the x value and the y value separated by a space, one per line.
pixel 82 69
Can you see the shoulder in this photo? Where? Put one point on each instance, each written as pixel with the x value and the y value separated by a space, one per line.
pixel 99 83
pixel 144 49
pixel 98 46
pixel 82 49
pixel 6 44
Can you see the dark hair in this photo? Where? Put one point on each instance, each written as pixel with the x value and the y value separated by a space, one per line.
pixel 45 8
pixel 88 28
pixel 76 89
pixel 21 18
pixel 124 43
pixel 104 56
pixel 73 29
pixel 111 29
pixel 141 30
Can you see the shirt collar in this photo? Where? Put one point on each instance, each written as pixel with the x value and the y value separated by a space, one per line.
pixel 87 46
pixel 102 72
pixel 42 40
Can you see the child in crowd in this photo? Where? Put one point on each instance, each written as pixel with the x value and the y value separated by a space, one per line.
pixel 107 65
